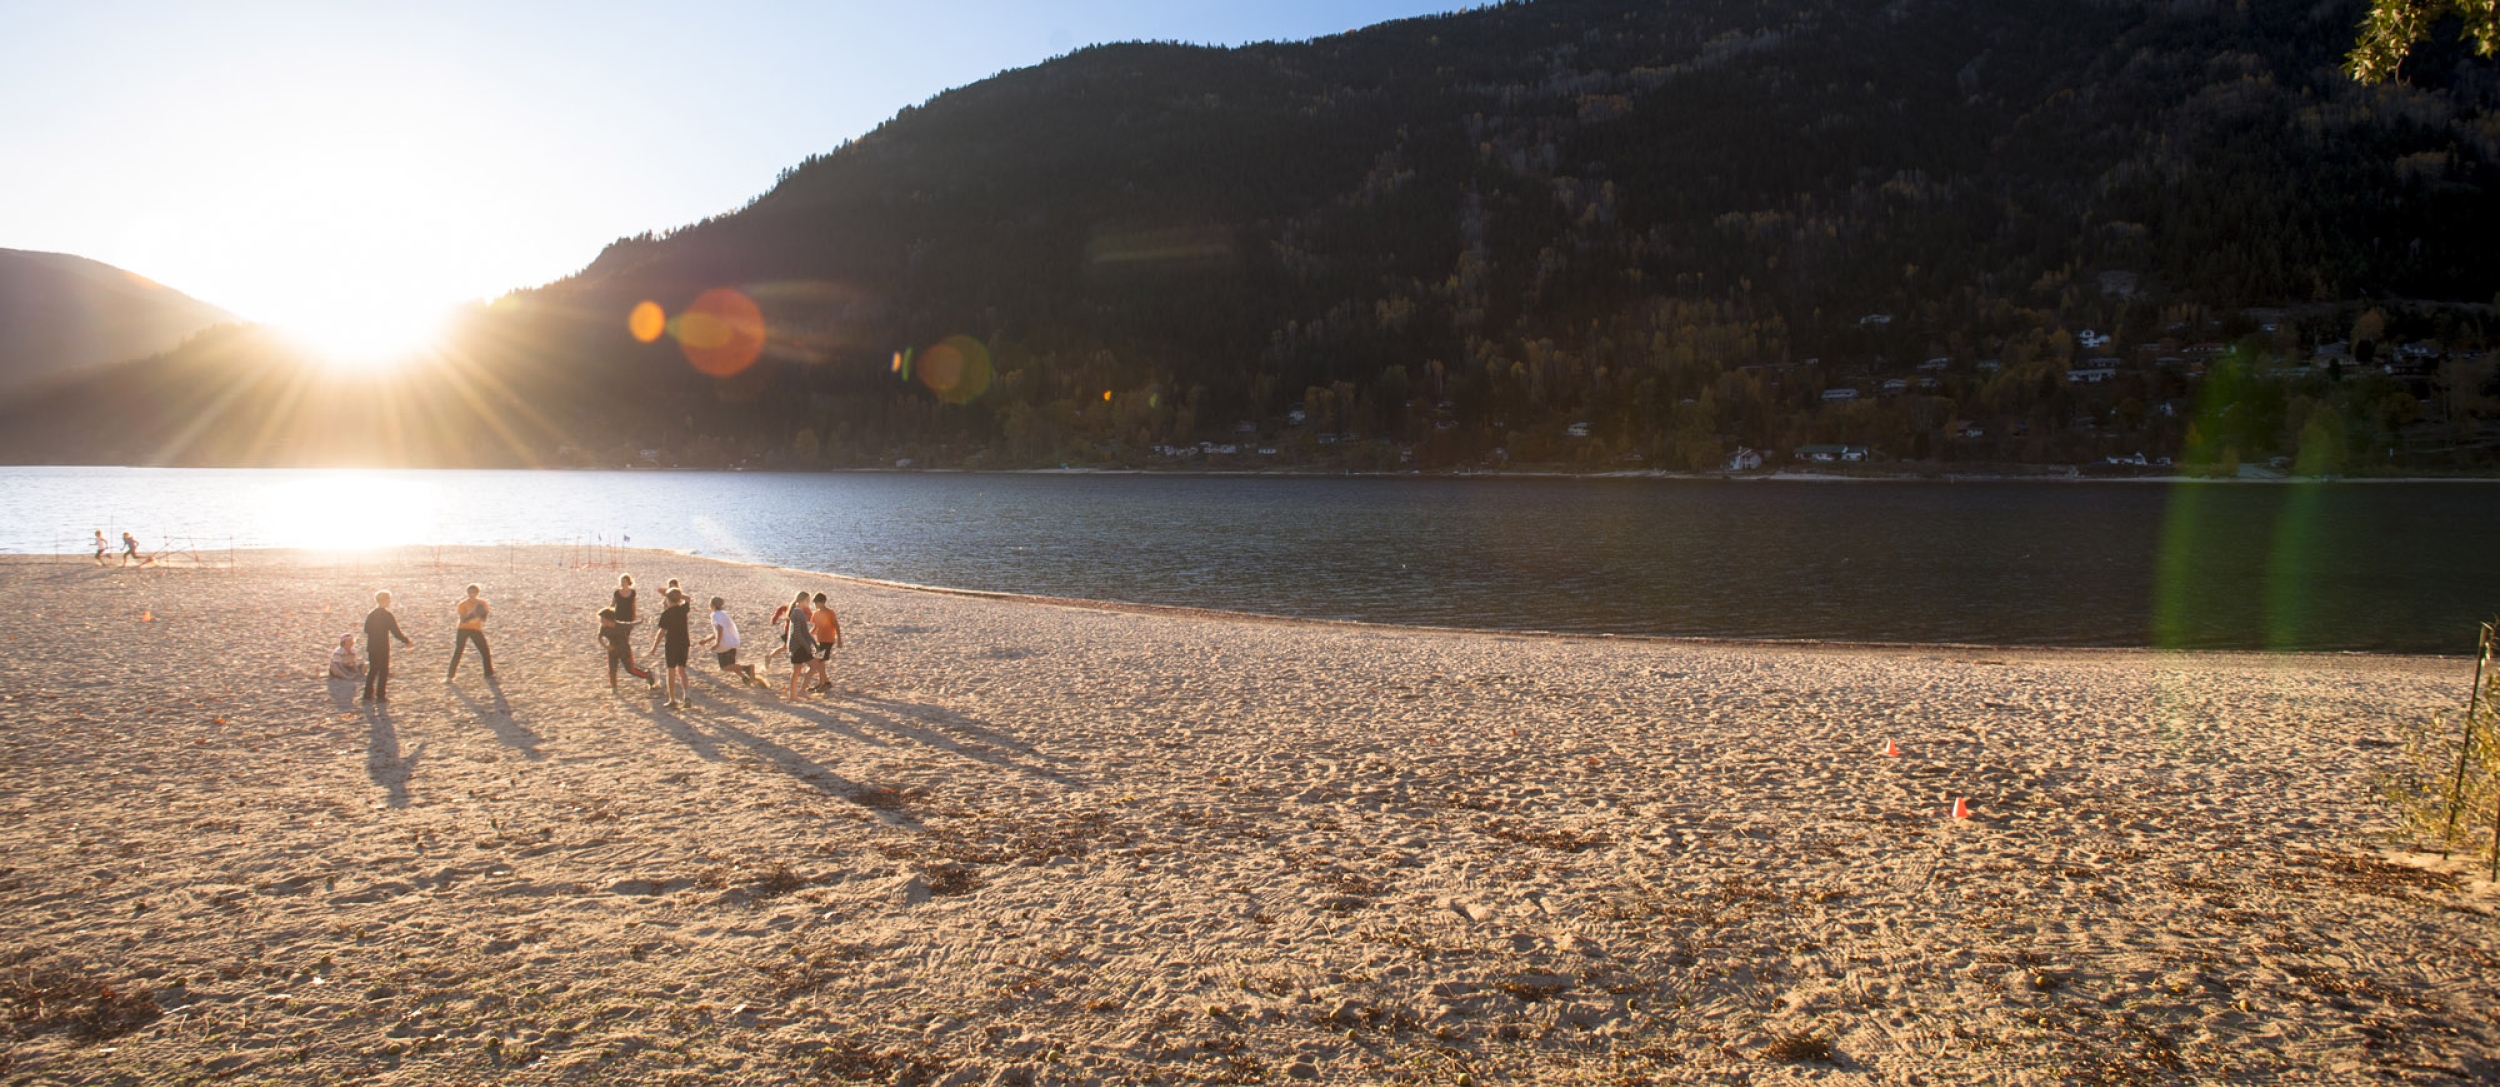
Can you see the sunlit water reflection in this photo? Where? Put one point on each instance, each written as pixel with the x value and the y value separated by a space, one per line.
pixel 2388 567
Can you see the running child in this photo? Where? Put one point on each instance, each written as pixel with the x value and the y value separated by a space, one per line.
pixel 618 639
pixel 724 642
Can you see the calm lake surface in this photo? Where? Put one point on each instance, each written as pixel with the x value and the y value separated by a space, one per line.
pixel 2390 567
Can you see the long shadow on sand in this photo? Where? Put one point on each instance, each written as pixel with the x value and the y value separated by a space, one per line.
pixel 383 761
pixel 815 774
pixel 496 715
pixel 921 724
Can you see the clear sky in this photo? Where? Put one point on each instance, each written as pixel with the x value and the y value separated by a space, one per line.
pixel 341 168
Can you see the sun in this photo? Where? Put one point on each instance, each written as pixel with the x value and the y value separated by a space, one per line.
pixel 354 334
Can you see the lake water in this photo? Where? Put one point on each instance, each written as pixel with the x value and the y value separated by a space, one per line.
pixel 2382 567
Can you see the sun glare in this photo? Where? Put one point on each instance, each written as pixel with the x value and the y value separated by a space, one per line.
pixel 391 510
pixel 366 337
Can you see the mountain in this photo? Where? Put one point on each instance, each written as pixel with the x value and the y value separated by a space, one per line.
pixel 58 311
pixel 1584 233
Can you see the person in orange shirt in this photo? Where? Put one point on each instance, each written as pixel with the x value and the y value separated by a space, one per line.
pixel 472 611
pixel 826 628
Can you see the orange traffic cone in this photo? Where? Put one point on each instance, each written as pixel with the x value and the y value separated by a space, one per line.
pixel 1961 807
pixel 1892 750
pixel 146 616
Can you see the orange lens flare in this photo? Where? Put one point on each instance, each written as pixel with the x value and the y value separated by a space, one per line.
pixel 647 322
pixel 957 369
pixel 722 332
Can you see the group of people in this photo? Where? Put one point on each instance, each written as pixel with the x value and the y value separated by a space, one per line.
pixel 130 550
pixel 808 628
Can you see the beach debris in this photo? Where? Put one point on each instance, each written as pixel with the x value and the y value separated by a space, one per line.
pixel 1799 1049
pixel 1961 807
pixel 1892 750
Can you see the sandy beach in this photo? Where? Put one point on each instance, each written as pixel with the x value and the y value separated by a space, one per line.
pixel 1032 842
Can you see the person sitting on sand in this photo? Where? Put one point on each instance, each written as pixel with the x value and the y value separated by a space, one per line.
pixel 380 626
pixel 825 629
pixel 675 641
pixel 343 662
pixel 618 638
pixel 724 642
pixel 802 644
pixel 472 611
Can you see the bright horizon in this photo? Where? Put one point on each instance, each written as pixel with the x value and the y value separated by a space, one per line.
pixel 353 175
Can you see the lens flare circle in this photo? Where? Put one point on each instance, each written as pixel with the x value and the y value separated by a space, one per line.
pixel 648 321
pixel 722 332
pixel 956 368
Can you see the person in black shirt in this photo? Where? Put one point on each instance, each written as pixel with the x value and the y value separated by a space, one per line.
pixel 619 640
pixel 380 626
pixel 677 642
pixel 623 601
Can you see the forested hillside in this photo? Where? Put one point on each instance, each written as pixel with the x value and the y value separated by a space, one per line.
pixel 58 312
pixel 1589 233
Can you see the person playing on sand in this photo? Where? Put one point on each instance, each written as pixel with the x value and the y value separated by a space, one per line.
pixel 472 611
pixel 343 662
pixel 130 550
pixel 619 639
pixel 380 627
pixel 676 640
pixel 795 634
pixel 724 642
pixel 101 548
pixel 624 599
pixel 825 629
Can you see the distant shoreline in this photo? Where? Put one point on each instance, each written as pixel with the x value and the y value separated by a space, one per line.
pixel 2067 477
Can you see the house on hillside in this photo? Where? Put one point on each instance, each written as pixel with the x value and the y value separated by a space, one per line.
pixel 1577 430
pixel 1829 454
pixel 1936 364
pixel 1843 393
pixel 2092 371
pixel 1743 460
pixel 1873 320
pixel 2089 338
pixel 1895 387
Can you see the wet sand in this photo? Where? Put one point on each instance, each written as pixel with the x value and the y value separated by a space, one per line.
pixel 1029 842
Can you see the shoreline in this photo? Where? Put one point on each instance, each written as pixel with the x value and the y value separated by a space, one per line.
pixel 2059 474
pixel 1067 844
pixel 379 556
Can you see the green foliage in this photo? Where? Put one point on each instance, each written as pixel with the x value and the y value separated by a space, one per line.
pixel 2394 27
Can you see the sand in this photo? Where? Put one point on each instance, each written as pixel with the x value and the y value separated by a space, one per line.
pixel 1026 842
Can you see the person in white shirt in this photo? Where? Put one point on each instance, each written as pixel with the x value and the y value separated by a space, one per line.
pixel 343 662
pixel 725 642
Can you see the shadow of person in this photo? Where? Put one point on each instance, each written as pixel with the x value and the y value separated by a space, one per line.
pixel 496 715
pixel 930 726
pixel 677 729
pixel 383 761
pixel 814 774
